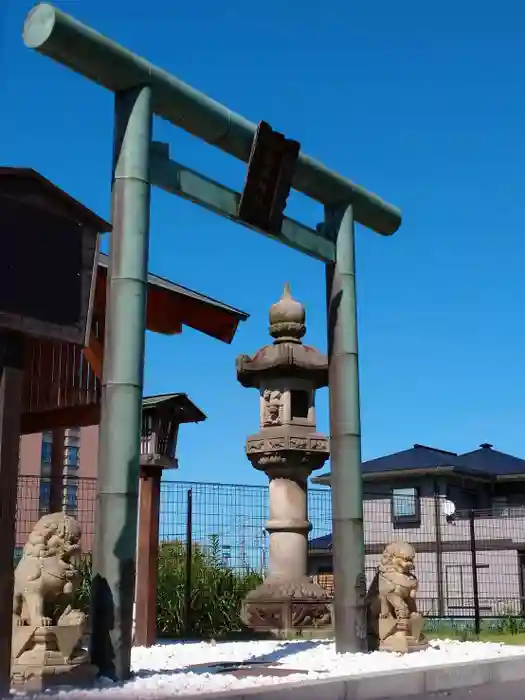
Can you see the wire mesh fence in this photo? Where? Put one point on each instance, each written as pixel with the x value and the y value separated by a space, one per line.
pixel 469 564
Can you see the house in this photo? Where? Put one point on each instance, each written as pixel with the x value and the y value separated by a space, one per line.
pixel 445 504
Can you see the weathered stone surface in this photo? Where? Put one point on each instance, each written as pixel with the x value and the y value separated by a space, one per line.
pixel 288 449
pixel 287 606
pixel 394 622
pixel 47 631
pixel 44 657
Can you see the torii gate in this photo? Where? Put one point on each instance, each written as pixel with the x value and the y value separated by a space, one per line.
pixel 141 91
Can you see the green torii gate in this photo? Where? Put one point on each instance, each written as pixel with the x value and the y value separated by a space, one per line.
pixel 142 91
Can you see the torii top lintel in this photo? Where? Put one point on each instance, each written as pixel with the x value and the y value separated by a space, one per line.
pixel 61 37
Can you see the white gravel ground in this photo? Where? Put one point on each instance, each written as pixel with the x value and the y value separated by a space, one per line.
pixel 161 670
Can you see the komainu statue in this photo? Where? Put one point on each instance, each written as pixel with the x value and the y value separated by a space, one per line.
pixel 393 619
pixel 47 631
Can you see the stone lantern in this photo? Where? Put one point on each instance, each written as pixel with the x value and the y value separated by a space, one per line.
pixel 161 417
pixel 287 448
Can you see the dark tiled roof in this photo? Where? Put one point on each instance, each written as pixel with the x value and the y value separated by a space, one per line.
pixel 417 457
pixel 491 461
pixel 485 460
pixel 321 543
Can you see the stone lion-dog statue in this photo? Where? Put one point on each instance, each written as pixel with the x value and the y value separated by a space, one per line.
pixel 393 620
pixel 47 631
pixel 46 575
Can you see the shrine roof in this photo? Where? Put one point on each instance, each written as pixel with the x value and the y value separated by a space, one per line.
pixel 183 306
pixel 28 185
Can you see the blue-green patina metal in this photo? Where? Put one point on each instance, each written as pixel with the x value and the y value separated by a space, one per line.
pixel 142 89
pixel 177 179
pixel 62 38
pixel 122 383
pixel 345 434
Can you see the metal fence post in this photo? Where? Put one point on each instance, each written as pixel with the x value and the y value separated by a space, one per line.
pixel 439 552
pixel 189 562
pixel 474 564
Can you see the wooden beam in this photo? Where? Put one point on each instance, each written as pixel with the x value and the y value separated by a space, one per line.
pixel 80 416
pixel 11 387
pixel 94 354
pixel 162 312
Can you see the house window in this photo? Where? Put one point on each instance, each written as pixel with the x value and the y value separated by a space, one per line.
pixel 300 404
pixel 406 511
pixel 500 506
pixel 47 449
pixel 72 455
pixel 226 554
pixel 71 498
pixel 45 495
pixel 17 554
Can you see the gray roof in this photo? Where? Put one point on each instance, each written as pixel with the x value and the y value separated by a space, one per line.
pixel 485 462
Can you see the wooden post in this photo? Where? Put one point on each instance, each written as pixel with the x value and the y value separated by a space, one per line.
pixel 11 385
pixel 147 557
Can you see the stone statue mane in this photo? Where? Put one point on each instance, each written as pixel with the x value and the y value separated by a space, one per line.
pixel 46 575
pixel 396 570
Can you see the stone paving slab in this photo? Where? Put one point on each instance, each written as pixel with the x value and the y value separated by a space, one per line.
pixel 407 683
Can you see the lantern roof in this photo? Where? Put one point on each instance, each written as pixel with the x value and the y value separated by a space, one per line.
pixel 179 405
pixel 287 355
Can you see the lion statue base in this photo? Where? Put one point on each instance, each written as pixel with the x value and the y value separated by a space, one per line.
pixel 394 623
pixel 46 657
pixel 47 631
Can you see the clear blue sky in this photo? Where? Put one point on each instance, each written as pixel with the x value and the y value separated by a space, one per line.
pixel 420 102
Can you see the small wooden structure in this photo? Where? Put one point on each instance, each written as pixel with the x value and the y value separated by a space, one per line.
pixel 161 418
pixel 61 384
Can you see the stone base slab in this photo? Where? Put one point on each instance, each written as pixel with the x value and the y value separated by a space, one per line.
pixel 386 685
pixel 35 679
pixel 46 657
pixel 284 607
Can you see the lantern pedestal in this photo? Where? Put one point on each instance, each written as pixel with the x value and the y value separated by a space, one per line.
pixel 288 601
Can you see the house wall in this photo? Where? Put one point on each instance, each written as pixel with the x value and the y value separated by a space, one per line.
pixel 34 472
pixel 499 542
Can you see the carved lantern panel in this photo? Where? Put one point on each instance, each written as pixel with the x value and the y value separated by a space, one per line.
pixel 287 401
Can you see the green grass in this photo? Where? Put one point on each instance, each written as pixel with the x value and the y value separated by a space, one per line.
pixel 503 638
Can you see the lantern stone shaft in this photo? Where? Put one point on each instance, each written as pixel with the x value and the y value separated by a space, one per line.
pixel 287 448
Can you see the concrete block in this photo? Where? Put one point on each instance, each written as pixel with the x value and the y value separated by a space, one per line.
pixel 506 670
pixel 389 685
pixel 463 675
